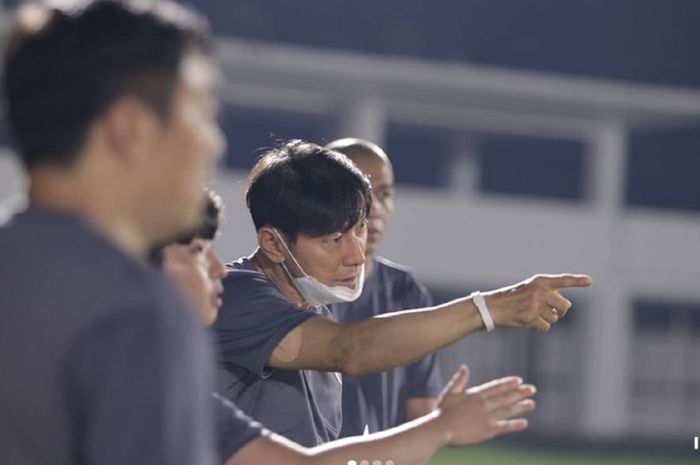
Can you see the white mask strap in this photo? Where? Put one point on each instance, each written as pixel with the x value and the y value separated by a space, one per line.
pixel 291 255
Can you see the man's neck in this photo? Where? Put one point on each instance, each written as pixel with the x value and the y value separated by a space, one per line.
pixel 64 192
pixel 277 274
pixel 369 265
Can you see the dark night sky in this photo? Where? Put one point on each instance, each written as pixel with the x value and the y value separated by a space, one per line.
pixel 643 41
pixel 639 40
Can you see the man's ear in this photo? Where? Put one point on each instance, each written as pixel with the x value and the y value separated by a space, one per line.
pixel 270 244
pixel 130 129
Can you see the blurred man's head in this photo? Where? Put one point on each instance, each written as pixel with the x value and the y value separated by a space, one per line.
pixel 120 93
pixel 374 163
pixel 190 262
pixel 313 203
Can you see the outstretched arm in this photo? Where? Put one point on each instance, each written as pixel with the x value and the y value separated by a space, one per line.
pixel 462 418
pixel 396 339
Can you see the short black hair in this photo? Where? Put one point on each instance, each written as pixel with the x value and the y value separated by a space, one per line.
pixel 300 187
pixel 63 67
pixel 207 228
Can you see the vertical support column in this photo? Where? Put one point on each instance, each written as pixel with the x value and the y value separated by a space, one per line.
pixel 463 168
pixel 364 117
pixel 607 323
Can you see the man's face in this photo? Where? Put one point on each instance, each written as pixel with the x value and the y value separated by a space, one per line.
pixel 197 272
pixel 184 150
pixel 333 259
pixel 381 178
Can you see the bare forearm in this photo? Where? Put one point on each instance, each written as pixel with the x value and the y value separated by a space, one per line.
pixel 396 339
pixel 409 444
pixel 463 417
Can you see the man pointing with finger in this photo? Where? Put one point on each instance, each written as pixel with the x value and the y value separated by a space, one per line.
pixel 379 401
pixel 462 417
pixel 280 346
pixel 540 292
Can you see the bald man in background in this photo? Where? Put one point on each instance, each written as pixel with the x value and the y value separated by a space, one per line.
pixel 378 401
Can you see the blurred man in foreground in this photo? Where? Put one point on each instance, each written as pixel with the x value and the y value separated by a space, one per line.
pixel 111 106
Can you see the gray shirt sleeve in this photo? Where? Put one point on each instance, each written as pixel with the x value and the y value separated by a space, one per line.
pixel 254 318
pixel 143 382
pixel 234 429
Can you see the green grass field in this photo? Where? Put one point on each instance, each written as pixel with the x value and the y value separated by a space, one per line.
pixel 490 455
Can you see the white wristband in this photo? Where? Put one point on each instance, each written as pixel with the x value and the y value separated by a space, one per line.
pixel 480 302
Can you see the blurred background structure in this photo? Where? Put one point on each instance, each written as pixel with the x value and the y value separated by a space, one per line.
pixel 526 137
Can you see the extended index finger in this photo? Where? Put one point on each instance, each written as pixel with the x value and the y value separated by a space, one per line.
pixel 567 280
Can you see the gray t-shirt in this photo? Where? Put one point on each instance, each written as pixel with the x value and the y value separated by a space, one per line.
pixel 378 400
pixel 302 405
pixel 234 429
pixel 100 361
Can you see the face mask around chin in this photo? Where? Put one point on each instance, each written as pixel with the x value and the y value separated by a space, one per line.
pixel 315 292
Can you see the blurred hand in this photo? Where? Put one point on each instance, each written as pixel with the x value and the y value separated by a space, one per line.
pixel 483 412
pixel 533 303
